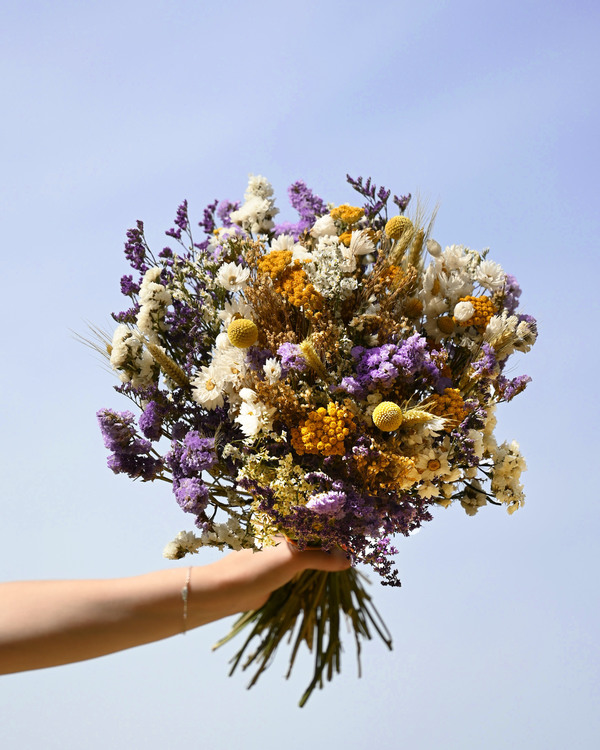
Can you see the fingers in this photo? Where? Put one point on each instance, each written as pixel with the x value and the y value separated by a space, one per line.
pixel 332 562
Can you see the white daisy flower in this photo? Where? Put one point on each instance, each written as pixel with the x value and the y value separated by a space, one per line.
pixel 490 275
pixel 206 390
pixel 361 243
pixel 232 277
pixel 237 307
pixel 272 370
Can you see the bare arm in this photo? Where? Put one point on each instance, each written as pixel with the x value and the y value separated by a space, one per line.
pixel 47 623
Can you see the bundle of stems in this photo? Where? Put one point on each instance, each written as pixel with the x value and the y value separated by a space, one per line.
pixel 309 609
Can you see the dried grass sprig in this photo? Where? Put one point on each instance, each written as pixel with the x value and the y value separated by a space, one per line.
pixel 167 365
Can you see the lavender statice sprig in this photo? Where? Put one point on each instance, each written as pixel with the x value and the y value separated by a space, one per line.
pixel 376 205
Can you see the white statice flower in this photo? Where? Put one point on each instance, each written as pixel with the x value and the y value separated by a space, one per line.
pixel 131 359
pixel 232 277
pixel 256 214
pixel 463 311
pixel 506 474
pixel 236 307
pixel 361 242
pixel 489 440
pixel 230 534
pixel 490 275
pixel 154 299
pixel 427 490
pixel 206 388
pixel 272 370
pixel 328 268
pixel 258 186
pixel 185 542
pixel 324 226
pixel 478 446
pixel 473 498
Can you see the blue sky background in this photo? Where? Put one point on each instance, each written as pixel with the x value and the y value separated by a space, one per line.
pixel 116 111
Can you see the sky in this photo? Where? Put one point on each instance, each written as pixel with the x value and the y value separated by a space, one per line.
pixel 117 111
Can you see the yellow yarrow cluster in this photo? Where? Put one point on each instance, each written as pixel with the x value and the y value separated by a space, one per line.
pixel 345 238
pixel 450 405
pixel 397 226
pixel 484 309
pixel 387 470
pixel 290 281
pixel 324 431
pixel 347 214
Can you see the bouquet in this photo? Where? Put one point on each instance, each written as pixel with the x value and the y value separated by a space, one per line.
pixel 328 380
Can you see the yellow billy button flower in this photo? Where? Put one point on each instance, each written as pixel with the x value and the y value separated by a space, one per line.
pixel 387 416
pixel 397 225
pixel 242 333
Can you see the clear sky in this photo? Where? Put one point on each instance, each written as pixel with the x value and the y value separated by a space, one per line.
pixel 116 111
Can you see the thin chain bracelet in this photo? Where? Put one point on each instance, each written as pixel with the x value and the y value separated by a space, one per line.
pixel 184 595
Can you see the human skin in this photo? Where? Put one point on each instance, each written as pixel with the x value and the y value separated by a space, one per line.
pixel 48 623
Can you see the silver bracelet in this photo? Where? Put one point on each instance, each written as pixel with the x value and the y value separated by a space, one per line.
pixel 184 595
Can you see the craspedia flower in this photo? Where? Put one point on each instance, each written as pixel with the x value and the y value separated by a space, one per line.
pixel 387 416
pixel 397 226
pixel 242 333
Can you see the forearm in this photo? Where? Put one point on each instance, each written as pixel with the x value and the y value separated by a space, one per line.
pixel 47 623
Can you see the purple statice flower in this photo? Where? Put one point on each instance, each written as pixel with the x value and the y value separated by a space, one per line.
pixel 291 358
pixel 150 421
pixel 307 204
pixel 256 357
pixel 118 429
pixel 127 316
pixel 376 200
pixel 508 389
pixel 380 366
pixel 512 292
pixel 402 202
pixel 179 430
pixel 130 453
pixel 128 287
pixel 208 219
pixel 181 221
pixel 486 364
pixel 135 248
pixel 224 211
pixel 327 503
pixel 195 455
pixel 191 494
